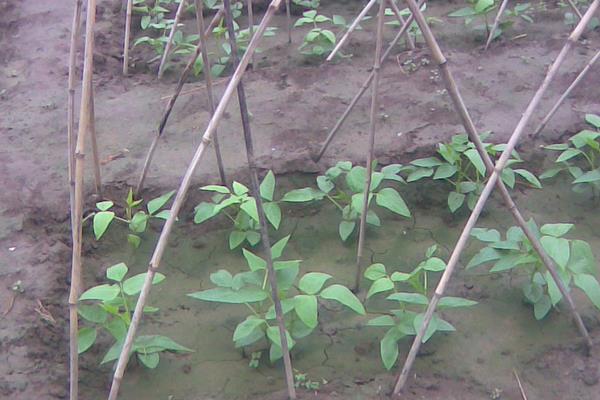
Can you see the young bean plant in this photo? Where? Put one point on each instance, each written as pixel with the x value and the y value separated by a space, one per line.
pixel 137 221
pixel 580 157
pixel 318 41
pixel 240 208
pixel 460 165
pixel 300 300
pixel 408 293
pixel 574 259
pixel 109 307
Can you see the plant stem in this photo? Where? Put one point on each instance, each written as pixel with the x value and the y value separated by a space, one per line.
pixel 334 202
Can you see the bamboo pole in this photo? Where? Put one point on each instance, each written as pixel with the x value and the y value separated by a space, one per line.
pixel 566 94
pixel 94 142
pixel 409 40
pixel 77 209
pixel 209 91
pixel 363 88
pixel 264 232
pixel 180 196
pixel 496 23
pixel 288 15
pixel 351 29
pixel 575 9
pixel 372 129
pixel 165 56
pixel 71 99
pixel 126 40
pixel 251 27
pixel 501 163
pixel 169 107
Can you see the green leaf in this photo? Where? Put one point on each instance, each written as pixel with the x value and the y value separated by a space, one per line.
pixel 401 276
pixel 267 186
pixel 529 177
pixel 117 328
pixel 375 271
pixel 556 230
pixel 277 248
pixel 372 218
pixel 410 298
pixel 356 179
pixel 133 285
pixel 593 119
pixel 474 156
pixel 508 177
pixel 484 255
pixel 428 162
pixel 445 171
pixel 388 348
pixel 419 173
pixel 513 260
pixel 346 228
pixel 247 328
pixel 204 211
pixel 134 240
pixel 275 337
pixel 150 360
pixel 254 262
pixel 216 188
pixel 452 302
pixel 590 287
pixel 328 35
pixel 85 339
pixel 584 138
pixel 325 184
pixel 391 199
pixel 236 238
pixel 533 292
pixel 104 205
pixel 462 12
pixel 344 296
pixel 433 264
pixel 117 272
pixel 157 343
pixel 92 313
pixel 542 307
pixel 557 248
pixel 306 309
pixel 287 305
pixel 222 278
pixel 139 222
pixel 312 282
pixel 300 196
pixel 382 320
pixel 101 222
pixel 486 235
pixel 249 207
pixel 156 204
pixel 103 293
pixel 505 245
pixel 552 172
pixel 380 285
pixel 280 265
pixel 483 5
pixel 239 189
pixel 568 154
pixel 455 200
pixel 590 176
pixel 557 146
pixel 252 237
pixel 273 214
pixel 582 258
pixel 227 295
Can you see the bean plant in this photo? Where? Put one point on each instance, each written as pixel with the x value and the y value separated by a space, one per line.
pixel 137 221
pixel 460 165
pixel 318 41
pixel 240 208
pixel 300 300
pixel 109 307
pixel 580 157
pixel 574 259
pixel 408 293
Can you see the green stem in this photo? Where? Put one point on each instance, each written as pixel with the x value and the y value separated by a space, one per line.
pixel 127 312
pixel 335 202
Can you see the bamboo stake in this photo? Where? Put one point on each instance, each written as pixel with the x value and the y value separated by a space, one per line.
pixel 127 34
pixel 351 29
pixel 566 94
pixel 521 389
pixel 94 141
pixel 575 9
pixel 169 107
pixel 163 61
pixel 251 27
pixel 501 163
pixel 209 91
pixel 77 209
pixel 409 40
pixel 372 129
pixel 496 23
pixel 363 88
pixel 289 20
pixel 179 198
pixel 71 97
pixel 264 232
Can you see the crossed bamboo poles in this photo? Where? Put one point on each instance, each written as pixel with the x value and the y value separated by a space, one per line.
pixel 86 126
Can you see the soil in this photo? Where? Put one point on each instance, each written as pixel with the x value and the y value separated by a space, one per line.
pixel 293 104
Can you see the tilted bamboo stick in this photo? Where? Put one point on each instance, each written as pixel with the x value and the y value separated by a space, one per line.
pixel 351 29
pixel 363 88
pixel 264 232
pixel 165 117
pixel 180 196
pixel 575 9
pixel 496 23
pixel 372 129
pixel 409 39
pixel 566 94
pixel 126 40
pixel 165 56
pixel 77 209
pixel 288 15
pixel 499 166
pixel 71 99
pixel 251 28
pixel 209 91
pixel 94 142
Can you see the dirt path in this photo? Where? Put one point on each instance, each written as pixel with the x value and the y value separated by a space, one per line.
pixel 293 105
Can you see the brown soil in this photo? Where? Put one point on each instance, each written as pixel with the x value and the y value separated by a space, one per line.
pixel 292 103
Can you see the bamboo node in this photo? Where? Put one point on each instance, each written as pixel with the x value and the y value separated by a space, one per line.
pixel 206 140
pixel 80 155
